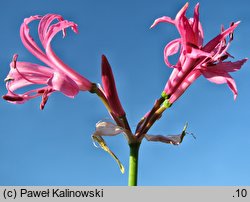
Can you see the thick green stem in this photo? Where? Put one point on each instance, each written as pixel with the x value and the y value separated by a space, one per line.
pixel 133 164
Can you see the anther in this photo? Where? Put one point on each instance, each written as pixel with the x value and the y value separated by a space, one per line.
pixel 12 98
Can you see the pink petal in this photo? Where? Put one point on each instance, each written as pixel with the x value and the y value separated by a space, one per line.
pixel 197 53
pixel 196 20
pixel 169 87
pixel 32 68
pixel 64 84
pixel 46 36
pixel 170 49
pixel 44 25
pixel 55 28
pixel 220 78
pixel 163 19
pixel 26 74
pixel 216 40
pixel 182 12
pixel 184 28
pixel 192 76
pixel 229 66
pixel 29 42
pixel 179 74
pixel 197 28
pixel 83 83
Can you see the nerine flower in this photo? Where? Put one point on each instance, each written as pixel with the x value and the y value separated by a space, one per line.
pixel 56 77
pixel 195 58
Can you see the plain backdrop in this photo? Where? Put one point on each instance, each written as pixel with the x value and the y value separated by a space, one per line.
pixel 54 146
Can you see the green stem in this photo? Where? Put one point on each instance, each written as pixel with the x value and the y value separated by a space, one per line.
pixel 133 164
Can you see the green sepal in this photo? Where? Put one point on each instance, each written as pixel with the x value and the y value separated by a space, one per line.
pixel 166 104
pixel 165 95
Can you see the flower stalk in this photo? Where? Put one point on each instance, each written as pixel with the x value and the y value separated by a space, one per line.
pixel 133 164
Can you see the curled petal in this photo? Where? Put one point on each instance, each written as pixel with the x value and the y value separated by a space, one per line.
pixel 44 24
pixel 46 32
pixel 220 77
pixel 55 28
pixel 218 73
pixel 170 49
pixel 27 40
pixel 30 43
pixel 163 19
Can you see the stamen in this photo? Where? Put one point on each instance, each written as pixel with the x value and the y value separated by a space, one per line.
pixel 41 91
pixel 7 79
pixel 191 135
pixel 14 59
pixel 192 45
pixel 12 98
pixel 231 35
pixel 22 75
pixel 222 30
pixel 45 98
pixel 224 57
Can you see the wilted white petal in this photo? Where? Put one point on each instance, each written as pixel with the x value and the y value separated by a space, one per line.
pixel 169 139
pixel 159 138
pixel 104 128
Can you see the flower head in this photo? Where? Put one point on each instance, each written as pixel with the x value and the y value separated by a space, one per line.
pixel 56 77
pixel 195 58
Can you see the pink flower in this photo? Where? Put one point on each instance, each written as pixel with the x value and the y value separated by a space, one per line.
pixel 56 77
pixel 24 74
pixel 109 88
pixel 195 58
